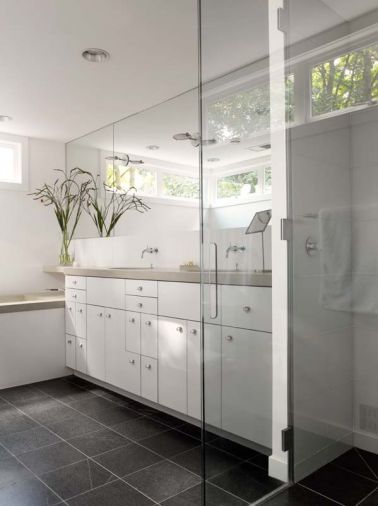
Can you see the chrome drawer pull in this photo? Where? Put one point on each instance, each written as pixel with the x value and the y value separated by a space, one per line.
pixel 148 323
pixel 148 366
pixel 99 315
pixel 180 329
pixel 74 295
pixel 74 282
pixel 70 309
pixel 80 345
pixel 69 341
pixel 108 315
pixel 140 288
pixel 132 320
pixel 229 338
pixel 140 304
pixel 193 331
pixel 80 310
pixel 246 309
pixel 132 361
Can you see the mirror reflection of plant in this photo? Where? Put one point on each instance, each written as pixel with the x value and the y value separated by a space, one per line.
pixel 106 213
pixel 67 195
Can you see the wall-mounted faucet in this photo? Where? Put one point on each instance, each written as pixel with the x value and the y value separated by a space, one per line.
pixel 234 248
pixel 148 250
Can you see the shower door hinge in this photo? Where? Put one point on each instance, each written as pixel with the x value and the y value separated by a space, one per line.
pixel 287 439
pixel 283 18
pixel 286 229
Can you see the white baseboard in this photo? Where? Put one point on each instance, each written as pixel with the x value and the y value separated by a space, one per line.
pixel 278 469
pixel 366 441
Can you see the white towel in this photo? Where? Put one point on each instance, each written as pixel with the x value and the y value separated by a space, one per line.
pixel 336 258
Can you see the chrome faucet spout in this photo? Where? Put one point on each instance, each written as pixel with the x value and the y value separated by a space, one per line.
pixel 149 250
pixel 234 249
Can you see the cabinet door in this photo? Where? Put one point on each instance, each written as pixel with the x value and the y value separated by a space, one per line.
pixel 213 374
pixel 247 395
pixel 180 300
pixel 81 320
pixel 115 349
pixel 148 375
pixel 106 292
pixel 96 342
pixel 133 373
pixel 133 332
pixel 81 355
pixel 70 318
pixel 149 333
pixel 70 351
pixel 194 370
pixel 248 307
pixel 138 287
pixel 172 364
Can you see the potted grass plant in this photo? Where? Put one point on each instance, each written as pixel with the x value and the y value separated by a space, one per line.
pixel 67 195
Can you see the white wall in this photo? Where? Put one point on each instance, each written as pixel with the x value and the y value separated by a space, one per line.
pixel 29 232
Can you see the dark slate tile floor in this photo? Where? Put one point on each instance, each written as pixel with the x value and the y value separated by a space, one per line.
pixel 69 442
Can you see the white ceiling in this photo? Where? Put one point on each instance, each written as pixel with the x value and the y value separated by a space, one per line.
pixel 51 92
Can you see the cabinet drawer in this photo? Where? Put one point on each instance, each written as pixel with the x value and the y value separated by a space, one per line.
pixel 247 307
pixel 78 282
pixel 149 378
pixel 145 288
pixel 106 292
pixel 141 304
pixel 149 335
pixel 133 332
pixel 81 355
pixel 81 320
pixel 133 373
pixel 70 352
pixel 70 312
pixel 73 295
pixel 180 300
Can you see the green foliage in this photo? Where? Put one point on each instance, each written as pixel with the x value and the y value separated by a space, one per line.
pixel 175 185
pixel 346 81
pixel 231 186
pixel 141 178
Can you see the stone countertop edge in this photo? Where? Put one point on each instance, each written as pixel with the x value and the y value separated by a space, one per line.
pixel 258 279
pixel 34 305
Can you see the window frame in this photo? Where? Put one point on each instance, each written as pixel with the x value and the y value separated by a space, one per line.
pixel 23 146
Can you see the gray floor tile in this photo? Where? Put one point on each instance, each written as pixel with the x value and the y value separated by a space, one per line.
pixel 28 440
pixel 75 425
pixel 28 493
pixel 170 443
pixel 65 391
pixel 47 411
pixel 162 480
pixel 4 454
pixel 213 497
pixel 14 422
pixel 140 428
pixel 215 461
pixel 299 496
pixel 51 457
pixel 113 494
pixel 128 459
pixel 98 442
pixel 77 478
pixel 21 394
pixel 11 471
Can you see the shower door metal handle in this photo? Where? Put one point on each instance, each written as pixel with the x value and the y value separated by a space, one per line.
pixel 214 315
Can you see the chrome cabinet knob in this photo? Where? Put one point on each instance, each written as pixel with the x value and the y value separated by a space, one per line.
pixel 246 309
pixel 70 309
pixel 229 338
pixel 148 323
pixel 140 288
pixel 132 320
pixel 80 310
pixel 132 361
pixel 108 315
pixel 74 296
pixel 99 315
pixel 69 341
pixel 148 366
pixel 180 329
pixel 81 345
pixel 193 331
pixel 140 304
pixel 74 282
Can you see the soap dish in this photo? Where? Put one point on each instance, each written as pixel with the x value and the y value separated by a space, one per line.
pixel 190 268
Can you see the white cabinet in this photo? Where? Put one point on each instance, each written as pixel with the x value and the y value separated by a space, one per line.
pixel 96 342
pixel 81 320
pixel 81 355
pixel 115 349
pixel 72 295
pixel 70 312
pixel 180 300
pixel 106 292
pixel 144 288
pixel 133 332
pixel 70 351
pixel 141 304
pixel 133 372
pixel 172 364
pixel 194 369
pixel 248 307
pixel 247 384
pixel 77 282
pixel 149 335
pixel 149 378
pixel 213 374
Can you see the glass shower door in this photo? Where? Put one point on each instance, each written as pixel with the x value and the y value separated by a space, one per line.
pixel 245 371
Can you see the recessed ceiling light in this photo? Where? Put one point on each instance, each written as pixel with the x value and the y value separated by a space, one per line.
pixel 258 148
pixel 152 147
pixel 213 159
pixel 3 119
pixel 94 55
